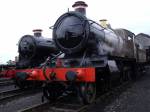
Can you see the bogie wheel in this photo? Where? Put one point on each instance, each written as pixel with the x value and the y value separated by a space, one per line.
pixel 49 93
pixel 52 91
pixel 20 83
pixel 125 75
pixel 129 75
pixel 134 72
pixel 87 92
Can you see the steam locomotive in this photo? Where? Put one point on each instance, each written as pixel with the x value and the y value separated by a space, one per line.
pixel 7 71
pixel 94 56
pixel 33 51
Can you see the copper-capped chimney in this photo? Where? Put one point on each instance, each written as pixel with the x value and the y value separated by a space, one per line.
pixel 37 32
pixel 80 6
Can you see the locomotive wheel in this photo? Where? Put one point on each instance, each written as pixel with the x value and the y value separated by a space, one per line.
pixel 52 91
pixel 125 75
pixel 105 83
pixel 21 84
pixel 129 75
pixel 87 92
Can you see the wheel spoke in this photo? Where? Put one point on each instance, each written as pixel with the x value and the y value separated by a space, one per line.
pixel 88 92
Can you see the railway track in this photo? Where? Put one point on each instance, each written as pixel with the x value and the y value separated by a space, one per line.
pixel 67 106
pixel 9 95
pixel 55 107
pixel 4 79
pixel 5 82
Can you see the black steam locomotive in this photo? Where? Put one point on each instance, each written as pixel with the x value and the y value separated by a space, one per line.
pixel 94 55
pixel 34 50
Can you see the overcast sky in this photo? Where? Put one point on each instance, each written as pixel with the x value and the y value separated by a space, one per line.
pixel 20 17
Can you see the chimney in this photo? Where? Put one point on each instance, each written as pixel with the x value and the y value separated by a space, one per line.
pixel 37 32
pixel 16 58
pixel 80 6
pixel 103 23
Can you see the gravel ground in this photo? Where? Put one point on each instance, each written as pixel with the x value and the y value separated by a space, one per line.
pixel 135 99
pixel 2 79
pixel 10 87
pixel 21 103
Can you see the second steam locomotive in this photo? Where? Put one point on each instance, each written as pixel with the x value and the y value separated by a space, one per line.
pixel 33 51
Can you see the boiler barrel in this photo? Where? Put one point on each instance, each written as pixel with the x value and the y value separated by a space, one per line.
pixel 73 32
pixel 31 46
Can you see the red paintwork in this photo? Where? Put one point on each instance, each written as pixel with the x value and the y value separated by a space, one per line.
pixel 34 74
pixel 83 74
pixel 10 73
